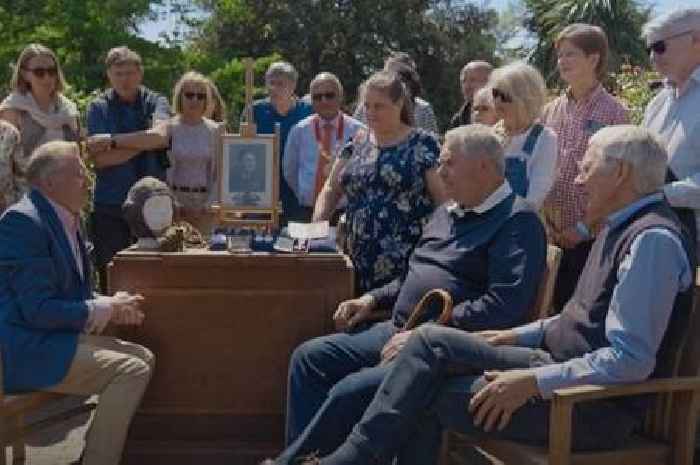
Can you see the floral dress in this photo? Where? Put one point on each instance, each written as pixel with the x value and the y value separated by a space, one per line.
pixel 388 203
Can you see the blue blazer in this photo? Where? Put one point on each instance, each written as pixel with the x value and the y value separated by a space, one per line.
pixel 43 305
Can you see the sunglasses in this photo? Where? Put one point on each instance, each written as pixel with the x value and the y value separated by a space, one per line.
pixel 659 47
pixel 505 98
pixel 201 96
pixel 323 95
pixel 42 72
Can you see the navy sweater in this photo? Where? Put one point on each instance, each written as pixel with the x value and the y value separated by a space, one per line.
pixel 490 263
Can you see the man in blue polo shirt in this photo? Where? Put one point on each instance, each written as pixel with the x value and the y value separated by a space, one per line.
pixel 126 107
pixel 284 108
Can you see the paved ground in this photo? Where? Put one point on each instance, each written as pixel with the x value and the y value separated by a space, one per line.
pixel 58 445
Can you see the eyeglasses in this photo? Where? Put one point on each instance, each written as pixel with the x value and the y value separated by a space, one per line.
pixel 659 47
pixel 323 95
pixel 505 98
pixel 201 96
pixel 40 73
pixel 481 108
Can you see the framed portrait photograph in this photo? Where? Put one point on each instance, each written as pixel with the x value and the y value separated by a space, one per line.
pixel 249 173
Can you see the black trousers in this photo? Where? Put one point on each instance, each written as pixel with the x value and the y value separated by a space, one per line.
pixel 109 233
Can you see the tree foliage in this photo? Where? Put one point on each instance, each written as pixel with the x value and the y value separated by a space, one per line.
pixel 81 32
pixel 622 20
pixel 351 38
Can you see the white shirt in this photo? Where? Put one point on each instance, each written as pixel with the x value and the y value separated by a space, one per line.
pixel 676 120
pixel 302 151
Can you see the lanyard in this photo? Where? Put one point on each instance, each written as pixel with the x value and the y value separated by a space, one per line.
pixel 317 133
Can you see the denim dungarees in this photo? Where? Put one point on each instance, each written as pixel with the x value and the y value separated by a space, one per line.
pixel 516 167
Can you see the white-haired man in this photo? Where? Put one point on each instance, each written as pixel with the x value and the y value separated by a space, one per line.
pixel 474 76
pixel 619 320
pixel 314 142
pixel 486 247
pixel 50 320
pixel 673 41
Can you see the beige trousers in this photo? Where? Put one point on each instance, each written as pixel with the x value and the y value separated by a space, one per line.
pixel 119 372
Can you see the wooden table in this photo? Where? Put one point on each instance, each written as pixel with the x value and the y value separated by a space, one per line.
pixel 223 327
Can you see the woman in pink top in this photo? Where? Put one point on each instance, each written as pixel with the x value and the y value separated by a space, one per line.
pixel 585 107
pixel 191 138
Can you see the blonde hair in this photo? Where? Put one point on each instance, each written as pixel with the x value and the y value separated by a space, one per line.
pixel 193 77
pixel 19 84
pixel 217 112
pixel 525 85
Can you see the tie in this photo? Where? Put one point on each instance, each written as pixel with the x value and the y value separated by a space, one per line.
pixel 324 158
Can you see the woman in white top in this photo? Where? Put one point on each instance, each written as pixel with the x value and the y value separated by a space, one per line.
pixel 519 95
pixel 191 137
pixel 34 113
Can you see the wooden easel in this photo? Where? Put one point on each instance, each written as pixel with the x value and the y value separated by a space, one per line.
pixel 255 218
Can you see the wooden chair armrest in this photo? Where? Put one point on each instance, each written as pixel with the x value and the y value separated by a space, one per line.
pixel 563 401
pixel 592 392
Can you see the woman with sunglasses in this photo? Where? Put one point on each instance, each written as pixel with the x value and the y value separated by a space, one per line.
pixel 34 113
pixel 191 138
pixel 583 108
pixel 519 95
pixel 388 174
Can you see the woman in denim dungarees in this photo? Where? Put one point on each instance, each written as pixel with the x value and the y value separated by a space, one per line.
pixel 519 95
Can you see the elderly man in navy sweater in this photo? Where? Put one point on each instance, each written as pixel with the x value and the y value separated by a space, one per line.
pixel 631 305
pixel 487 248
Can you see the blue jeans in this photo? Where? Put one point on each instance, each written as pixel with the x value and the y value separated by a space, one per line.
pixel 418 399
pixel 332 379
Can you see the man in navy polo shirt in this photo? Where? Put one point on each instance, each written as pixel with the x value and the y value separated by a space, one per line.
pixel 284 108
pixel 126 107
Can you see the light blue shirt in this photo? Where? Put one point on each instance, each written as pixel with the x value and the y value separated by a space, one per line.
pixel 302 152
pixel 676 120
pixel 654 271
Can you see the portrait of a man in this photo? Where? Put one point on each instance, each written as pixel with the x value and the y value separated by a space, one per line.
pixel 247 174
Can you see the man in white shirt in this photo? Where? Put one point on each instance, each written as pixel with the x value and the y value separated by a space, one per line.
pixel 315 141
pixel 673 41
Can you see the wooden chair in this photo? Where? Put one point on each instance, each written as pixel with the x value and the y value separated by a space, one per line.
pixel 669 433
pixel 13 428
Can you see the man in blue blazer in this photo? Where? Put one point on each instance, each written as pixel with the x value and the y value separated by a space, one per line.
pixel 50 319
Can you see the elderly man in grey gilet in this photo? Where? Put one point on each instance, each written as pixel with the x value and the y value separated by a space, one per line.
pixel 673 41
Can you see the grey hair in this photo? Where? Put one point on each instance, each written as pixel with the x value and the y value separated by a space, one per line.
pixel 327 77
pixel 47 159
pixel 473 66
pixel 640 148
pixel 282 69
pixel 674 22
pixel 477 140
